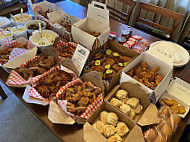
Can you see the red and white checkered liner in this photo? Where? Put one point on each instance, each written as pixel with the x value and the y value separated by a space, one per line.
pixel 16 79
pixel 90 109
pixel 35 81
pixel 16 52
pixel 61 44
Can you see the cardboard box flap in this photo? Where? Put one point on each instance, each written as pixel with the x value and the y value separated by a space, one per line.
pixel 179 89
pixel 95 78
pixel 135 135
pixel 69 64
pixel 90 134
pixel 99 12
pixel 150 116
pixel 57 115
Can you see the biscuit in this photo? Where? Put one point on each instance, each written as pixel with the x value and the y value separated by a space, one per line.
pixel 103 116
pixel 138 109
pixel 115 138
pixel 99 126
pixel 109 130
pixel 132 114
pixel 115 102
pixel 122 129
pixel 125 109
pixel 125 100
pixel 112 118
pixel 121 94
pixel 133 102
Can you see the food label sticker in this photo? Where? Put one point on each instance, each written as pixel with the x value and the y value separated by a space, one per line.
pixel 80 56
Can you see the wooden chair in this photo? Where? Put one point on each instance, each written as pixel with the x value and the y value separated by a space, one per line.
pixel 119 15
pixel 158 30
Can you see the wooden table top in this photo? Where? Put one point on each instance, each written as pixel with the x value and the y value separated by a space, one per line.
pixel 75 133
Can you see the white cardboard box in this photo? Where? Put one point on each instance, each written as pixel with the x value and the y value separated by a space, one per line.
pixel 180 91
pixel 97 20
pixel 165 69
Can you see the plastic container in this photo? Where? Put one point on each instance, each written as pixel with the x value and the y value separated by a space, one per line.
pixel 2 37
pixel 34 23
pixel 21 20
pixel 48 38
pixel 20 32
pixel 4 22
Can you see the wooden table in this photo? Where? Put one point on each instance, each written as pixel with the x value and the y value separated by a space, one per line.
pixel 74 133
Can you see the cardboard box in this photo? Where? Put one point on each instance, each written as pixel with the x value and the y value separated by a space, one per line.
pixel 90 134
pixel 134 90
pixel 179 90
pixel 55 16
pixel 97 20
pixel 58 116
pixel 165 70
pixel 121 50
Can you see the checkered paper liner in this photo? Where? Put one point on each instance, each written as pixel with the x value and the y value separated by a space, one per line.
pixel 90 109
pixel 61 45
pixel 35 81
pixel 38 10
pixel 17 79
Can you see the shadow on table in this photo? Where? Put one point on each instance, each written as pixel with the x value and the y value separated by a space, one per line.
pixel 186 135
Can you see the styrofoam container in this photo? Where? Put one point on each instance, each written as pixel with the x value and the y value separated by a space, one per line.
pixel 2 37
pixel 30 31
pixel 4 22
pixel 21 32
pixel 22 20
pixel 48 38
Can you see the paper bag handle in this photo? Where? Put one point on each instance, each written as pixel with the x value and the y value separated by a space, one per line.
pixel 98 4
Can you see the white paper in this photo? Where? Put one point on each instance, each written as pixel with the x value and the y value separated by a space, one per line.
pixel 79 58
pixel 32 100
pixel 57 115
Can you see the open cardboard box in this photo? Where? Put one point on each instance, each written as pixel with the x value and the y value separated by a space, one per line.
pixel 91 134
pixel 165 69
pixel 57 115
pixel 55 16
pixel 134 90
pixel 97 20
pixel 121 50
pixel 179 90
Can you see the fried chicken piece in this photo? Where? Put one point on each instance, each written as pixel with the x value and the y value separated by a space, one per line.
pixel 124 58
pixel 144 66
pixel 98 56
pixel 44 91
pixel 117 67
pixel 98 68
pixel 83 101
pixel 109 61
pixel 131 72
pixel 47 81
pixel 158 79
